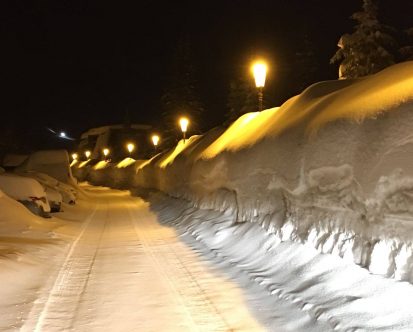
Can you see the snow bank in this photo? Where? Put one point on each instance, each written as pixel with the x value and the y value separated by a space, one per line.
pixel 16 220
pixel 118 175
pixel 330 168
pixel 332 293
pixel 54 163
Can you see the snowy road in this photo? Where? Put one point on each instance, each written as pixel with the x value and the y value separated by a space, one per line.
pixel 125 272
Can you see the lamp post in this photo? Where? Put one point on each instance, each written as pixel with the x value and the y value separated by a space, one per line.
pixel 130 147
pixel 183 122
pixel 87 154
pixel 106 153
pixel 155 141
pixel 259 69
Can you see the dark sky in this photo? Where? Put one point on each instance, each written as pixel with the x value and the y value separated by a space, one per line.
pixel 75 64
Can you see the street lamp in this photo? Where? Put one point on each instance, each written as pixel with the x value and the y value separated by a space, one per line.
pixel 87 154
pixel 259 69
pixel 75 156
pixel 130 147
pixel 183 122
pixel 155 141
pixel 106 152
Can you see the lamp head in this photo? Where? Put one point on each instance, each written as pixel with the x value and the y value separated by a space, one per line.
pixel 259 69
pixel 183 122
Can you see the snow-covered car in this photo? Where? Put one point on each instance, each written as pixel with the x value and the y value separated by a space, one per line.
pixel 27 191
pixel 55 199
pixel 67 192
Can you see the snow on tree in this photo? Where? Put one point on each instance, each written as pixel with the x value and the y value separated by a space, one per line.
pixel 369 49
pixel 180 94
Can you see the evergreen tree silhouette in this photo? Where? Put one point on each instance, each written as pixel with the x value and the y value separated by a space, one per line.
pixel 369 49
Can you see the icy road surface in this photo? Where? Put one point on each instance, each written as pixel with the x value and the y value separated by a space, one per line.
pixel 123 271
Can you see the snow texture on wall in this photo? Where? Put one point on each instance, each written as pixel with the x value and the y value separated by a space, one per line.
pixel 330 168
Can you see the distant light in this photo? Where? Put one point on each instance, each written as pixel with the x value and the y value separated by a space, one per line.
pixel 259 69
pixel 155 140
pixel 130 147
pixel 87 154
pixel 75 156
pixel 183 122
pixel 62 134
pixel 106 152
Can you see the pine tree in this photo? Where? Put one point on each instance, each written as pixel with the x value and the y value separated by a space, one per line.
pixel 242 98
pixel 406 51
pixel 369 49
pixel 180 95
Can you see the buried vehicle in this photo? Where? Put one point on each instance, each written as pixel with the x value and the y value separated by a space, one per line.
pixel 67 192
pixel 55 199
pixel 27 191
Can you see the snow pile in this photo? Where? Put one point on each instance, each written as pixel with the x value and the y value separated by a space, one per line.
pixel 68 192
pixel 51 162
pixel 118 175
pixel 16 220
pixel 333 294
pixel 28 245
pixel 330 168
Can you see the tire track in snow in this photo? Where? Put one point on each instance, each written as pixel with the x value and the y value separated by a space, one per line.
pixel 191 307
pixel 39 313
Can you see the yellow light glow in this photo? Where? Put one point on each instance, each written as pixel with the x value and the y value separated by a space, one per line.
pixel 179 148
pixel 74 156
pixel 245 131
pixel 130 147
pixel 87 154
pixel 183 122
pixel 155 139
pixel 106 152
pixel 101 165
pixel 259 69
pixel 125 163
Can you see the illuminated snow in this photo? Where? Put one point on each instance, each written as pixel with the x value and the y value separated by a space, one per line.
pixel 101 165
pixel 125 162
pixel 180 147
pixel 308 199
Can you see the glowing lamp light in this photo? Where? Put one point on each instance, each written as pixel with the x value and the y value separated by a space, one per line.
pixel 75 156
pixel 259 69
pixel 130 147
pixel 87 154
pixel 155 140
pixel 62 134
pixel 183 122
pixel 106 152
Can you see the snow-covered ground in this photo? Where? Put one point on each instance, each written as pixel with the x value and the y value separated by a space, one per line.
pixel 313 198
pixel 26 244
pixel 108 265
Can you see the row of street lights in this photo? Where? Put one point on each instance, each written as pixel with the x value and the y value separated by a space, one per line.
pixel 183 122
pixel 259 71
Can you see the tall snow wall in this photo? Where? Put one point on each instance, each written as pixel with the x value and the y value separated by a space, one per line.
pixel 331 167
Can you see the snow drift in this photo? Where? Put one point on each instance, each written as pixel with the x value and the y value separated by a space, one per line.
pixel 330 168
pixel 54 163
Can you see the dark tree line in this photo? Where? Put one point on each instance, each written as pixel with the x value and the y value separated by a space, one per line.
pixel 372 46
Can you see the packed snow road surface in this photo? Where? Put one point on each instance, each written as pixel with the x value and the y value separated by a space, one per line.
pixel 125 272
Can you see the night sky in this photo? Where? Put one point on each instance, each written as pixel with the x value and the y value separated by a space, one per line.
pixel 75 64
